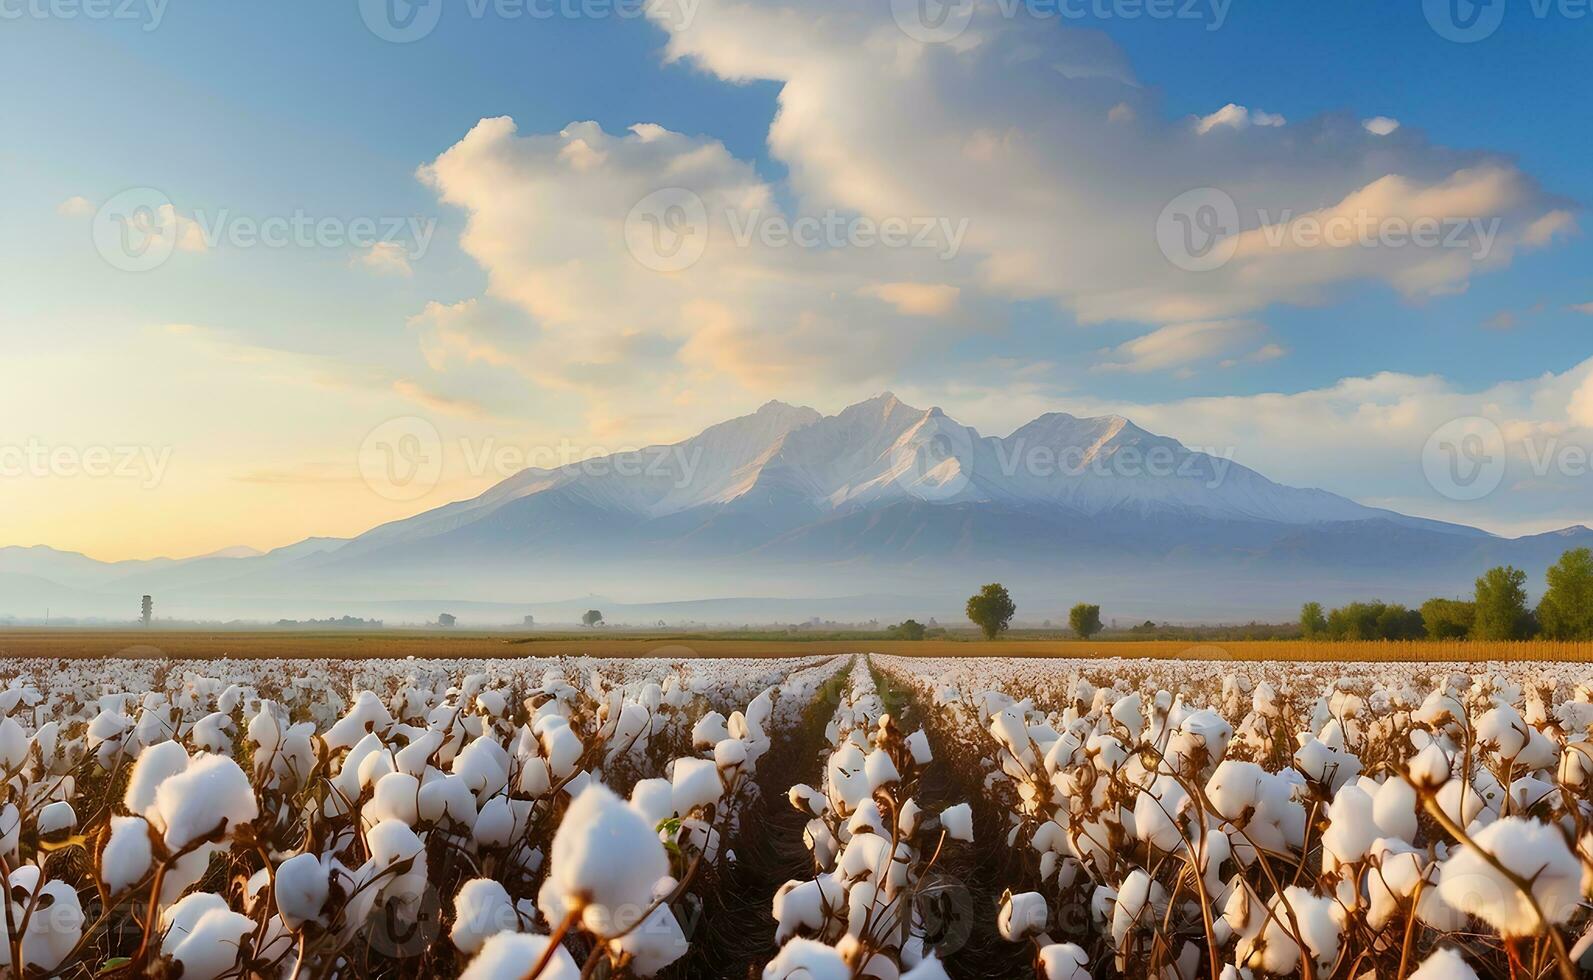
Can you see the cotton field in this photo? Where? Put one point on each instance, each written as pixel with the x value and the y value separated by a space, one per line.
pixel 816 818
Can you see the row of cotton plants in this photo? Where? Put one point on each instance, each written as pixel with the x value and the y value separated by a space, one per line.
pixel 493 818
pixel 1257 820
pixel 873 847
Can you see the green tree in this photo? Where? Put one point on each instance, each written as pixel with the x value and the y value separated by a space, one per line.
pixel 991 609
pixel 1313 623
pixel 1566 612
pixel 592 617
pixel 907 629
pixel 1085 620
pixel 1502 605
pixel 1448 619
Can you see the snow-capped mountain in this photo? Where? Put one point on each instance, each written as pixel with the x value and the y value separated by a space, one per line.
pixel 881 497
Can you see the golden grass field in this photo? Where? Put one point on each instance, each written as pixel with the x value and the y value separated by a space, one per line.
pixel 202 644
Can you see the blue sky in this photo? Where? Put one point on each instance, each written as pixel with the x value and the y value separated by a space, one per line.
pixel 262 369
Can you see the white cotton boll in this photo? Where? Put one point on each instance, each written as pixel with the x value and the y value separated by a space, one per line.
pixel 709 730
pixel 1159 814
pixel 55 920
pixel 606 858
pixel 807 799
pixel 57 818
pixel 562 747
pixel 447 800
pixel 494 826
pixel 535 777
pixel 1503 731
pixel 1064 961
pixel 368 715
pixel 397 797
pixel 155 765
pixel 653 799
pixel 918 745
pixel 1444 964
pixel 866 819
pixel 1272 946
pixel 210 794
pixel 1141 900
pixel 880 769
pixel 731 754
pixel 1576 764
pixel 301 889
pixel 1234 787
pixel 1351 829
pixel 13 745
pixel 1394 809
pixel 482 909
pixel 802 905
pixel 1529 849
pixel 213 945
pixel 178 921
pixel 127 855
pixel 416 756
pixel 484 766
pixel 1022 916
pixel 399 857
pixel 804 959
pixel 1431 767
pixel 958 822
pixel 1325 764
pixel 654 944
pixel 509 956
pixel 847 781
pixel 695 783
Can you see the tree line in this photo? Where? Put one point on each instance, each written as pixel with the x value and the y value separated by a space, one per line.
pixel 1498 610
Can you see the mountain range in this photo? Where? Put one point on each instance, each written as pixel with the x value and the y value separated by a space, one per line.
pixel 881 510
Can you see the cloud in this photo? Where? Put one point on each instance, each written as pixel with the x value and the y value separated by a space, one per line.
pixel 419 394
pixel 1233 116
pixel 915 298
pixel 1380 125
pixel 386 259
pixel 1182 344
pixel 75 207
pixel 1261 355
pixel 1365 437
pixel 1583 308
pixel 618 263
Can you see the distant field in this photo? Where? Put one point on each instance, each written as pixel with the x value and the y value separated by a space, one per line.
pixel 78 644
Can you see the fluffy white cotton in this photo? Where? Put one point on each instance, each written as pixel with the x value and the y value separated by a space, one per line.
pixel 209 795
pixel 1444 964
pixel 804 959
pixel 958 822
pixel 482 909
pixel 301 888
pixel 128 854
pixel 510 955
pixel 1529 849
pixel 604 863
pixel 1064 961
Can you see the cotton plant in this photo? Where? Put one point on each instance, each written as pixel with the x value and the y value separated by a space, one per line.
pixel 873 847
